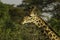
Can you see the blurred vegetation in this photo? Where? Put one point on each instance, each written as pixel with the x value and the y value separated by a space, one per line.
pixel 11 18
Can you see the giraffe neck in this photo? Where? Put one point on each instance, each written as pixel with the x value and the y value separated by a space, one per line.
pixel 47 30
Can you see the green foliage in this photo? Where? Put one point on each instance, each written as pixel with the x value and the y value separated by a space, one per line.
pixel 38 2
pixel 4 16
pixel 8 28
pixel 55 23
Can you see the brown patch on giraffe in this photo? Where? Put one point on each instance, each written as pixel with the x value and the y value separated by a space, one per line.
pixel 39 24
pixel 44 26
pixel 50 35
pixel 54 35
pixel 53 39
pixel 47 31
pixel 56 38
pixel 39 21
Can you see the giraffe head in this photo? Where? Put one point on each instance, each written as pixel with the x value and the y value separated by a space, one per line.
pixel 27 19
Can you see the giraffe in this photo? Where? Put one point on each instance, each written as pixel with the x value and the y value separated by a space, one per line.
pixel 33 18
